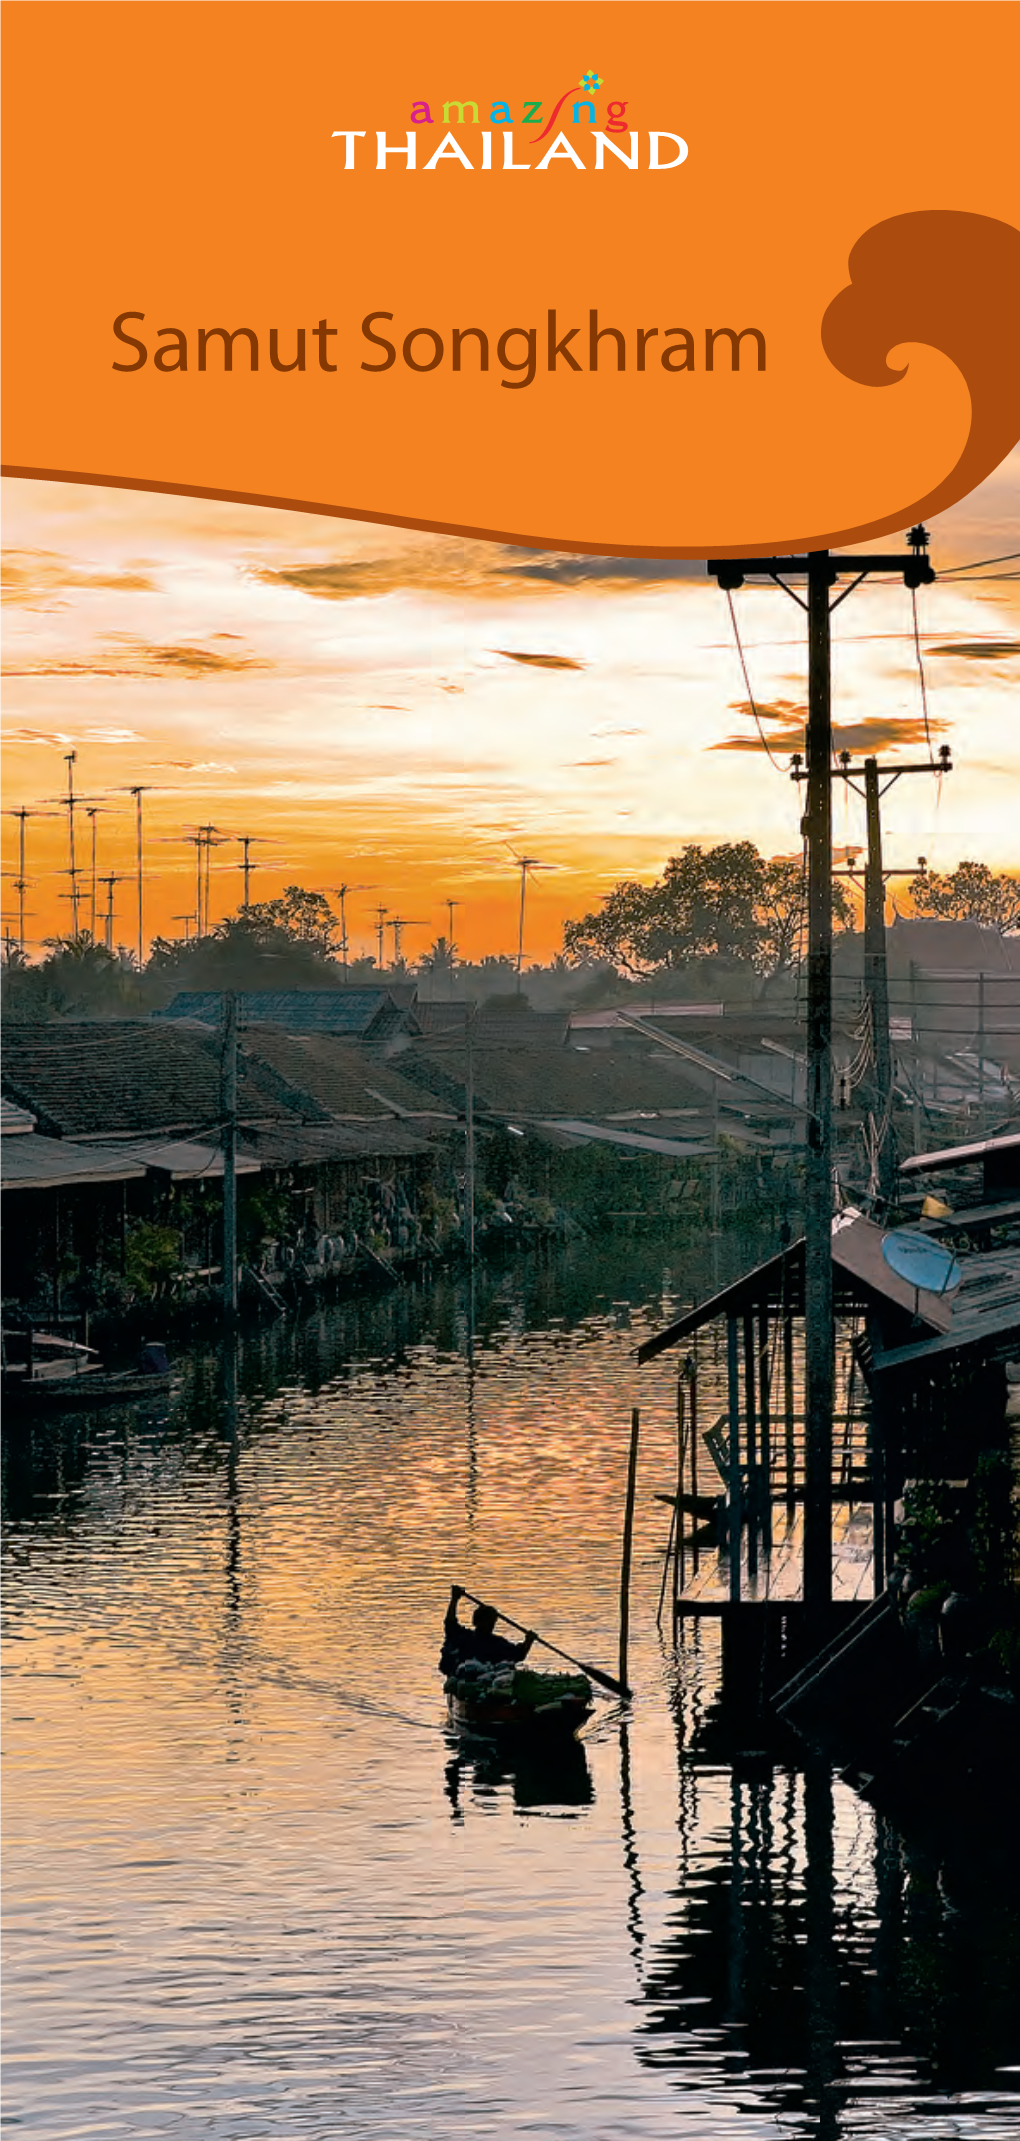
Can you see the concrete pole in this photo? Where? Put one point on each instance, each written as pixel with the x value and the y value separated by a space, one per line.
pixel 819 1331
pixel 876 979
pixel 229 1136
pixel 469 1147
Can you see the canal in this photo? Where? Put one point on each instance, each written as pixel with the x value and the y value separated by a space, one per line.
pixel 255 1893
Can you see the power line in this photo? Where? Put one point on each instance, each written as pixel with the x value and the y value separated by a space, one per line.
pixel 747 685
pixel 920 672
pixel 976 563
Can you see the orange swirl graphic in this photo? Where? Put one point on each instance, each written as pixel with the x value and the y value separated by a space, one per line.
pixel 952 280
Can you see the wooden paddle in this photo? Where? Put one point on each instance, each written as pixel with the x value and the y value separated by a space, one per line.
pixel 605 1680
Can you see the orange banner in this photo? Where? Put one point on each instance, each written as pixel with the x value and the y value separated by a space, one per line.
pixel 644 279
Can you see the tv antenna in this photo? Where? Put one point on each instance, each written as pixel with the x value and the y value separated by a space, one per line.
pixel 138 789
pixel 340 892
pixel 72 802
pixel 110 882
pixel 248 840
pixel 525 864
pixel 92 812
pixel 203 839
pixel 21 882
pixel 398 923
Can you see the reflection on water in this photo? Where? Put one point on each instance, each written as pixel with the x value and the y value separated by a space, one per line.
pixel 255 1889
pixel 542 1779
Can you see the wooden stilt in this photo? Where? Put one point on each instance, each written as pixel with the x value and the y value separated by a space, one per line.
pixel 735 1483
pixel 750 1404
pixel 628 1542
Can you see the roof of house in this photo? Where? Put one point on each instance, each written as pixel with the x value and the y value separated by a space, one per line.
pixel 964 948
pixel 541 1082
pixel 182 1159
pixel 61 1163
pixel 309 1144
pixel 491 1025
pixel 569 1131
pixel 112 1077
pixel 860 1273
pixel 609 1017
pixel 925 1163
pixel 335 1075
pixel 15 1121
pixel 357 1012
pixel 985 1311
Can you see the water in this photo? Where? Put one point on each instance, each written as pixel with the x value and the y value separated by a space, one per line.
pixel 255 1894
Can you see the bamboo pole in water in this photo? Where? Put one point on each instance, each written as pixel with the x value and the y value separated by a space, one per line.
pixel 628 1541
pixel 679 1571
pixel 692 1367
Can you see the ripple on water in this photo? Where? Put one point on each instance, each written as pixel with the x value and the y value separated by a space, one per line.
pixel 254 1889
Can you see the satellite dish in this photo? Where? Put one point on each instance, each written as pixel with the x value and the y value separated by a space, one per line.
pixel 925 1264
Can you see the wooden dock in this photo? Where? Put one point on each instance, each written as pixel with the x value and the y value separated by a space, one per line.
pixel 778 1578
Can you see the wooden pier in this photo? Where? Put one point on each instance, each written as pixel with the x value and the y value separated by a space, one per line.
pixel 778 1578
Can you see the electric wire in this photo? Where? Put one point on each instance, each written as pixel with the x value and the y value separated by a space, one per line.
pixel 920 672
pixel 766 746
pixel 949 571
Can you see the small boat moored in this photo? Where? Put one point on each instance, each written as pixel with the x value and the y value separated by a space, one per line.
pixel 44 1372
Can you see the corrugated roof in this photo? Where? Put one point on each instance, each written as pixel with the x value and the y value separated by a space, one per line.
pixel 586 1021
pixel 61 1163
pixel 635 1140
pixel 181 1158
pixel 860 1273
pixel 924 1163
pixel 102 1077
pixel 985 1311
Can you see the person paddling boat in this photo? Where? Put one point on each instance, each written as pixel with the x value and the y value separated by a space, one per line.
pixel 479 1642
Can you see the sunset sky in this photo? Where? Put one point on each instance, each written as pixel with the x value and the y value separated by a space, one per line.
pixel 362 700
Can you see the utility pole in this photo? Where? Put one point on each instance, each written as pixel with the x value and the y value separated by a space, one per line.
pixel 819 1326
pixel 450 905
pixel 246 841
pixel 469 1140
pixel 140 788
pixel 821 571
pixel 229 1141
pixel 876 970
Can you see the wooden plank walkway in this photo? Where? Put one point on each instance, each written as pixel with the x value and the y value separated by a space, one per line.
pixel 779 1577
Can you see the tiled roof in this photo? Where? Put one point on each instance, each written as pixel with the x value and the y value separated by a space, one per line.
pixel 14 1120
pixel 492 1025
pixel 336 1074
pixel 351 1011
pixel 108 1077
pixel 543 1083
pixel 309 1144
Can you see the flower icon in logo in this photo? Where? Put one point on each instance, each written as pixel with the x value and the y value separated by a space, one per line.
pixel 591 80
